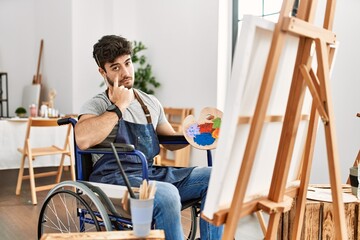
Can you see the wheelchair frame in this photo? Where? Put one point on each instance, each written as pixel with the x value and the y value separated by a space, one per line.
pixel 94 209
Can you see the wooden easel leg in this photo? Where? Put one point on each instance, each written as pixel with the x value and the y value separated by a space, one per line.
pixel 290 127
pixel 273 226
pixel 305 174
pixel 261 220
pixel 331 146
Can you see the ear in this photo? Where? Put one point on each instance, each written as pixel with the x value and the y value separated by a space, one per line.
pixel 102 72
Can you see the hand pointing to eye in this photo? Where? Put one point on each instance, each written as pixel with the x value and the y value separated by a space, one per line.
pixel 120 95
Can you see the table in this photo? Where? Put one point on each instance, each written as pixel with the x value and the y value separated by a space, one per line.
pixel 12 136
pixel 319 219
pixel 154 235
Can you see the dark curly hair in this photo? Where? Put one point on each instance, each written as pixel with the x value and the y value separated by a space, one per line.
pixel 110 47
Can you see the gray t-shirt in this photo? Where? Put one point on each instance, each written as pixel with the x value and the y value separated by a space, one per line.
pixel 134 113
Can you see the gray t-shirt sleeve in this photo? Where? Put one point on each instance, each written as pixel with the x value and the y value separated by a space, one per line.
pixel 96 105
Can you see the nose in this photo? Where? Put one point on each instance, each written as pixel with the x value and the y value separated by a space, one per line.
pixel 125 72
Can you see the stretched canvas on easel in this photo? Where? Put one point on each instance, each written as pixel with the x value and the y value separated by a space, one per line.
pixel 248 67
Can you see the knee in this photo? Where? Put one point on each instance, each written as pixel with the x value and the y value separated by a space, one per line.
pixel 167 197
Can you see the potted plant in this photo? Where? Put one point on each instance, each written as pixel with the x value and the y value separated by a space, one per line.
pixel 20 112
pixel 144 79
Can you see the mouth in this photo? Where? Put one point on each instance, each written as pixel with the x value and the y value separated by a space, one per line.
pixel 125 81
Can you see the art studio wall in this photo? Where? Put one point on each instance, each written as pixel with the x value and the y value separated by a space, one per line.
pixel 181 37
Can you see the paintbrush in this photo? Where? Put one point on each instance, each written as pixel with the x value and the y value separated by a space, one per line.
pixel 152 190
pixel 127 183
pixel 124 200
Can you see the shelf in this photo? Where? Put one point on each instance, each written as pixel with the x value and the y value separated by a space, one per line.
pixel 4 94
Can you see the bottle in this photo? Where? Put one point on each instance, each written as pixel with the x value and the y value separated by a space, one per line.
pixel 32 110
pixel 44 111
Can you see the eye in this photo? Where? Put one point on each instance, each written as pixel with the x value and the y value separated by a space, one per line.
pixel 116 68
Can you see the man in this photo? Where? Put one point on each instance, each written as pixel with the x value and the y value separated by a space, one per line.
pixel 127 115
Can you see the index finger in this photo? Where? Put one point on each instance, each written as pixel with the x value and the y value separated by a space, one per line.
pixel 116 82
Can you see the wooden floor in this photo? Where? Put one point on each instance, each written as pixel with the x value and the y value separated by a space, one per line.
pixel 18 216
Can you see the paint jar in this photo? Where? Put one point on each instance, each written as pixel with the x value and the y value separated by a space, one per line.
pixel 33 110
pixel 44 111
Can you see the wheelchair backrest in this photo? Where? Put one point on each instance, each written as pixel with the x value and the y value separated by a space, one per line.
pixel 86 166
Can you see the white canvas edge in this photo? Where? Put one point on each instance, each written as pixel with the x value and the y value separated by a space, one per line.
pixel 231 112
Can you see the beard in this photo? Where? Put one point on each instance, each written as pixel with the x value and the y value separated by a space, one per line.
pixel 126 82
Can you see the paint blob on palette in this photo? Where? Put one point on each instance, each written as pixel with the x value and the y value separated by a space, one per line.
pixel 204 132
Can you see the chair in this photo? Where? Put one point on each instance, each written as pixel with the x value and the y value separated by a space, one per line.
pixel 179 158
pixel 31 153
pixel 97 206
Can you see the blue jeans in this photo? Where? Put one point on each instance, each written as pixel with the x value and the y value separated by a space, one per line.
pixel 167 205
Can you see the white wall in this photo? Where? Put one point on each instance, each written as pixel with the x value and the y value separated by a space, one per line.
pixel 91 20
pixel 22 24
pixel 345 87
pixel 181 37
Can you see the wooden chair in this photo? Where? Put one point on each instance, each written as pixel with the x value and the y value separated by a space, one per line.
pixel 179 158
pixel 31 153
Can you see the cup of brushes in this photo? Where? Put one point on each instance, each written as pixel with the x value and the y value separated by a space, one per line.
pixel 141 207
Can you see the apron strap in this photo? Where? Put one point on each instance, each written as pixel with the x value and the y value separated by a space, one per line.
pixel 143 106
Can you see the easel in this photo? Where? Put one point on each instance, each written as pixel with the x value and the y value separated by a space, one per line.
pixel 279 198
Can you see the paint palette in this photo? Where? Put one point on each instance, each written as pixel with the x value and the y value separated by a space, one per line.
pixel 204 132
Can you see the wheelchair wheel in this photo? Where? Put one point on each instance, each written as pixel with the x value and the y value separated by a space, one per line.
pixel 61 214
pixel 189 219
pixel 72 207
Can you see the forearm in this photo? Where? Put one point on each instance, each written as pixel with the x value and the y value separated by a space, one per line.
pixel 92 129
pixel 174 147
pixel 167 129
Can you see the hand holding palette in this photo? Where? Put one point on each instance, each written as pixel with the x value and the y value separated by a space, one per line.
pixel 204 132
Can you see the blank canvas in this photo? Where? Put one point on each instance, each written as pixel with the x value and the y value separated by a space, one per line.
pixel 250 59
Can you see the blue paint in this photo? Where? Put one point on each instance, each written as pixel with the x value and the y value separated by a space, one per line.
pixel 204 139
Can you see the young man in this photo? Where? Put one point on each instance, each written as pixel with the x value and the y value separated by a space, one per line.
pixel 127 115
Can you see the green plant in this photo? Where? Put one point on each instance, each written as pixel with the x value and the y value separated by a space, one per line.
pixel 20 110
pixel 144 79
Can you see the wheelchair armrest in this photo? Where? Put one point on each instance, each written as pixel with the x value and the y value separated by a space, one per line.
pixel 180 140
pixel 173 142
pixel 120 147
pixel 64 121
pixel 172 139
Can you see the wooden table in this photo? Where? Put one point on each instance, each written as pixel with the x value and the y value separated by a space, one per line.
pixel 319 220
pixel 154 235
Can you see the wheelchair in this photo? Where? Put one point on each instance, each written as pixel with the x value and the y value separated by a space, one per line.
pixel 83 206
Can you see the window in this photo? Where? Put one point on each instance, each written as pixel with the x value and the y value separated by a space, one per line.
pixel 268 9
